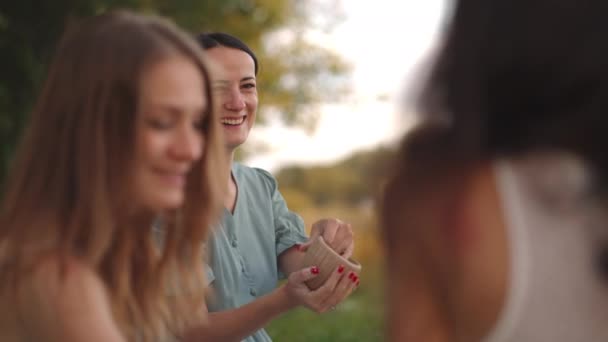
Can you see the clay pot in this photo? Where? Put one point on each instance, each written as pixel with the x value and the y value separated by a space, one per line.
pixel 327 260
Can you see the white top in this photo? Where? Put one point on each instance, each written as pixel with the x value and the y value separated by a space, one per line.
pixel 555 291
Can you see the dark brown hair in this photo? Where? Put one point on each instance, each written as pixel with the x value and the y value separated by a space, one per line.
pixel 512 77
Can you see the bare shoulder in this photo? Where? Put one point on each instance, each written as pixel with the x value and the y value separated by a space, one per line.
pixel 63 299
pixel 60 275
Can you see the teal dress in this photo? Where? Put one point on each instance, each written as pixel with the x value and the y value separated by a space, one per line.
pixel 243 250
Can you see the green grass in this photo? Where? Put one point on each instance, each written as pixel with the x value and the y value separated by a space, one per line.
pixel 358 318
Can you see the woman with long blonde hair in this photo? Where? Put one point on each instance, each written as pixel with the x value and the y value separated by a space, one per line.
pixel 122 134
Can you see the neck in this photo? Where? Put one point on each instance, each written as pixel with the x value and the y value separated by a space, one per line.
pixel 230 159
pixel 230 198
pixel 144 218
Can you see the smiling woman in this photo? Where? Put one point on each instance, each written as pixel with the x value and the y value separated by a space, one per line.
pixel 122 133
pixel 258 239
pixel 235 91
pixel 169 133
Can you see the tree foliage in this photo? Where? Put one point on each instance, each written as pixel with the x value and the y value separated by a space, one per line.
pixel 295 74
pixel 353 181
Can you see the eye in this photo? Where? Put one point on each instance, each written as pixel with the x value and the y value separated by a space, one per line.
pixel 219 87
pixel 199 124
pixel 160 123
pixel 248 85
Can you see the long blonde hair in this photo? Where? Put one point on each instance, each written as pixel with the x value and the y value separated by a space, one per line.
pixel 67 187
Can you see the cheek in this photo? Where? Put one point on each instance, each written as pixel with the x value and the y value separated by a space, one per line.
pixel 252 104
pixel 150 145
pixel 200 147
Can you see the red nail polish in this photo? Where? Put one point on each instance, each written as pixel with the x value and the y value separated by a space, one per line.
pixel 298 247
pixel 355 278
pixel 351 275
pixel 314 270
pixel 341 269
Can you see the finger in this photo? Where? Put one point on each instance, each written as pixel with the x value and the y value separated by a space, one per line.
pixel 343 289
pixel 330 229
pixel 297 247
pixel 351 281
pixel 343 237
pixel 343 240
pixel 341 246
pixel 317 229
pixel 348 252
pixel 304 246
pixel 304 274
pixel 326 290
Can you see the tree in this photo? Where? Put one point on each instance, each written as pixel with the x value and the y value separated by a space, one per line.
pixel 295 74
pixel 352 181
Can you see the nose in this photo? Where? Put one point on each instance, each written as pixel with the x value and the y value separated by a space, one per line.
pixel 234 101
pixel 188 144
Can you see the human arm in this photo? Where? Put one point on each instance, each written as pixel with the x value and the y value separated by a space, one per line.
pixel 236 324
pixel 338 234
pixel 274 230
pixel 291 239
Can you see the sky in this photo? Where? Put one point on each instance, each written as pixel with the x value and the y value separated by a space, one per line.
pixel 403 33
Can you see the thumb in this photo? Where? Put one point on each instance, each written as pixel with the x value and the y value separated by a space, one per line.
pixel 313 235
pixel 304 274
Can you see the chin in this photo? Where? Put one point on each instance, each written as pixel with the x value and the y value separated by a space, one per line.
pixel 235 143
pixel 168 203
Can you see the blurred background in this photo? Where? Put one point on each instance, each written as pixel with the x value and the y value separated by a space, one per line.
pixel 335 85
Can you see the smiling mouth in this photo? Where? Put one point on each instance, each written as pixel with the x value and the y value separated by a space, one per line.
pixel 233 121
pixel 174 179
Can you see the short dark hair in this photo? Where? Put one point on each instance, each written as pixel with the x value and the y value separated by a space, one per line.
pixel 215 39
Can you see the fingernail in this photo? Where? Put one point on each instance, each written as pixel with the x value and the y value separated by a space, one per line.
pixel 298 247
pixel 314 270
pixel 351 275
pixel 355 278
pixel 341 269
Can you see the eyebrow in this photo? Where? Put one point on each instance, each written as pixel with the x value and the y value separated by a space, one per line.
pixel 222 82
pixel 175 111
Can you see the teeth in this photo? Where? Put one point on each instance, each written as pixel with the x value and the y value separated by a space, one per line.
pixel 238 121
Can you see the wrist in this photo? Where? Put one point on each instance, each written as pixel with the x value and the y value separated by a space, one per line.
pixel 285 300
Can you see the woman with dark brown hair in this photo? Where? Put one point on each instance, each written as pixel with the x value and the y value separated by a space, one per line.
pixel 495 220
pixel 122 133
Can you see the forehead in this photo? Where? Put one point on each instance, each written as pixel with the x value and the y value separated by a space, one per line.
pixel 172 81
pixel 229 64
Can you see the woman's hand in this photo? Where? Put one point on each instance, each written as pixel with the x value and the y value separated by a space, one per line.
pixel 337 234
pixel 338 286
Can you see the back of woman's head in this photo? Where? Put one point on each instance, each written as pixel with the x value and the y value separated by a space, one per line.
pixel 512 77
pixel 520 75
pixel 69 184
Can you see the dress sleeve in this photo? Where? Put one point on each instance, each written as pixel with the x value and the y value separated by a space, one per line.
pixel 289 226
